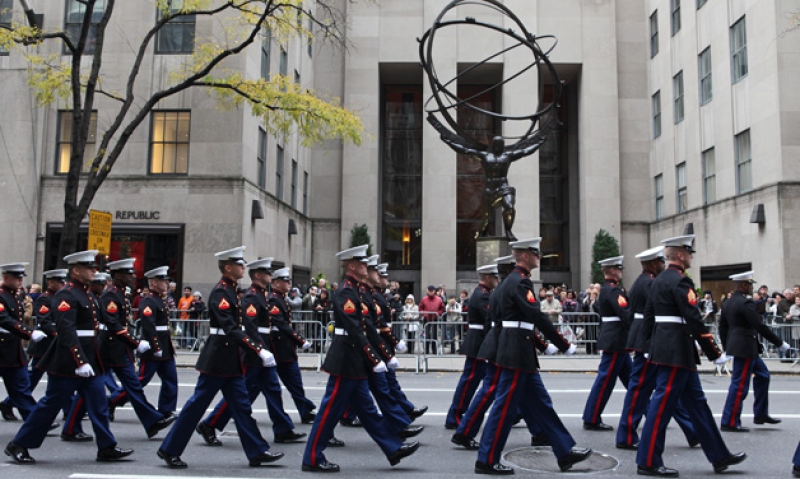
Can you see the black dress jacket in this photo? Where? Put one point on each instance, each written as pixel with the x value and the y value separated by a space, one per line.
pixel 739 327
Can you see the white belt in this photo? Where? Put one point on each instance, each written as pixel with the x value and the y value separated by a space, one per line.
pixel 611 319
pixel 475 326
pixel 103 327
pixel 638 316
pixel 518 324
pixel 162 328
pixel 217 331
pixel 85 333
pixel 267 330
pixel 670 319
pixel 340 332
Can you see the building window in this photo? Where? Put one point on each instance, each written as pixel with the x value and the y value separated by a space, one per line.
pixel 656 102
pixel 700 3
pixel 279 174
pixel 73 23
pixel 401 165
pixel 261 158
pixel 680 182
pixel 177 35
pixel 305 193
pixel 554 176
pixel 6 15
pixel 169 152
pixel 654 34
pixel 675 16
pixel 704 70
pixel 64 147
pixel 297 78
pixel 739 50
pixel 284 68
pixel 744 168
pixel 677 101
pixel 265 50
pixel 709 177
pixel 310 36
pixel 659 186
pixel 294 184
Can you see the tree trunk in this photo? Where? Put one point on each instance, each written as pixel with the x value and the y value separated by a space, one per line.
pixel 69 236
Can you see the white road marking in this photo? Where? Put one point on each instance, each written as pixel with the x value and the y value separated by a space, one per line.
pixel 81 475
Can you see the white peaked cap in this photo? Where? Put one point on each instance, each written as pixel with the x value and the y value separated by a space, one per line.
pixel 651 254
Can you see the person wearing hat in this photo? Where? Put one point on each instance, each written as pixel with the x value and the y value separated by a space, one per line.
pixel 154 327
pixel 518 366
pixel 13 361
pixel 72 364
pixel 642 377
pixel 479 322
pixel 350 360
pixel 221 370
pixel 260 377
pixel 615 362
pixel 739 328
pixel 673 324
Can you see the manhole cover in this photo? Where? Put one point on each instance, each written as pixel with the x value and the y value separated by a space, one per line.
pixel 541 459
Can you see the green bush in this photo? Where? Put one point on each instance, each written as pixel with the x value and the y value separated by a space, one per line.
pixel 605 246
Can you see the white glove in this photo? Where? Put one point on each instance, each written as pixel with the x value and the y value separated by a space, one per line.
pixel 647 355
pixel 393 363
pixel 380 368
pixel 85 371
pixel 144 345
pixel 158 354
pixel 571 350
pixel 721 360
pixel 401 346
pixel 267 358
pixel 784 347
pixel 306 345
pixel 551 350
pixel 37 336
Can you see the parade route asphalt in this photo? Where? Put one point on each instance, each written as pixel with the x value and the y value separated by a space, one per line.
pixel 770 448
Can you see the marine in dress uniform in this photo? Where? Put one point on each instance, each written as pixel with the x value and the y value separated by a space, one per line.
pixel 73 364
pixel 479 324
pixel 518 311
pixel 615 361
pixel 739 327
pixel 672 325
pixel 643 373
pixel 259 379
pixel 350 360
pixel 154 327
pixel 220 367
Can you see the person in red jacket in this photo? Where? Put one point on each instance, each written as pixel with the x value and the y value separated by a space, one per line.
pixel 431 307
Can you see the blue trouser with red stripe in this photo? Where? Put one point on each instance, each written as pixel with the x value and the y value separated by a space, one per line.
pixel 613 365
pixel 19 388
pixel 743 368
pixel 675 384
pixel 168 396
pixel 257 380
pixel 397 393
pixel 340 393
pixel 290 375
pixel 514 385
pixel 473 419
pixel 234 390
pixel 640 388
pixel 471 377
pixel 796 459
pixel 396 419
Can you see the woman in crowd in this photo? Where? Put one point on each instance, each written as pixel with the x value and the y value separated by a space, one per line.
pixel 411 315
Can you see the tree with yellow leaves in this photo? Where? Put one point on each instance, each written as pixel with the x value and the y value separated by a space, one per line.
pixel 77 78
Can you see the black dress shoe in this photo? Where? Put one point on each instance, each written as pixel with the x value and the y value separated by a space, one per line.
pixel 308 418
pixel 411 431
pixel 660 471
pixel 350 422
pixel 112 454
pixel 575 456
pixel 289 436
pixel 466 442
pixel 450 426
pixel 766 420
pixel 493 469
pixel 333 442
pixel 7 411
pixel 162 423
pixel 265 457
pixel 796 471
pixel 628 447
pixel 174 462
pixel 77 437
pixel 112 408
pixel 417 412
pixel 404 451
pixel 322 467
pixel 731 460
pixel 734 429
pixel 694 442
pixel 540 440
pixel 208 433
pixel 600 426
pixel 20 454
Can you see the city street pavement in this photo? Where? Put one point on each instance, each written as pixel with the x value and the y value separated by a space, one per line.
pixel 770 449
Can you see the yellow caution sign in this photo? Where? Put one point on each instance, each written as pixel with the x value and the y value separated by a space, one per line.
pixel 100 231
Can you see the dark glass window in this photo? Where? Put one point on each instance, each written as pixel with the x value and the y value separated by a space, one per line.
pixel 262 158
pixel 654 34
pixel 6 15
pixel 739 50
pixel 682 196
pixel 553 192
pixel 305 193
pixel 177 36
pixel 709 176
pixel 704 71
pixel 656 105
pixel 76 12
pixel 279 174
pixel 675 17
pixel 677 100
pixel 659 187
pixel 266 45
pixel 744 162
pixel 293 199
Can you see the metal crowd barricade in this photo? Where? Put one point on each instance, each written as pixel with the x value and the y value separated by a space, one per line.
pixel 311 325
pixel 580 329
pixel 788 331
pixel 189 334
pixel 444 336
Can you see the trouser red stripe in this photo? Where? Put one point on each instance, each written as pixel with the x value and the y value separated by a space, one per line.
pixel 222 408
pixel 460 408
pixel 664 401
pixel 502 421
pixel 324 420
pixel 484 399
pixel 633 403
pixel 75 414
pixel 609 374
pixel 738 401
pixel 141 370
